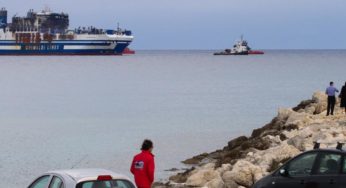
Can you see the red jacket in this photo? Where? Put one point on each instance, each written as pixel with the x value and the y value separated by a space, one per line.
pixel 142 168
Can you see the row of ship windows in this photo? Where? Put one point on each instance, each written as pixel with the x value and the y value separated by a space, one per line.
pixel 41 47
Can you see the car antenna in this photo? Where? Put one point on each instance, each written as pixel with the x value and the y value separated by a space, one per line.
pixel 339 146
pixel 316 145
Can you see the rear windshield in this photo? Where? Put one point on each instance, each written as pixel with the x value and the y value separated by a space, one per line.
pixel 106 184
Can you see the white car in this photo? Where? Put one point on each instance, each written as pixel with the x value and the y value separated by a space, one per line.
pixel 82 178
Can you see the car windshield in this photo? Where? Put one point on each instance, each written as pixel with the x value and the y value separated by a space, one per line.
pixel 106 184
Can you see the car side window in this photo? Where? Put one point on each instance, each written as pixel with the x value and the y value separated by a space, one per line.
pixel 302 165
pixel 329 163
pixel 56 183
pixel 41 182
pixel 344 165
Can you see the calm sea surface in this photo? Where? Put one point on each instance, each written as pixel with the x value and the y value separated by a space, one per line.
pixel 77 112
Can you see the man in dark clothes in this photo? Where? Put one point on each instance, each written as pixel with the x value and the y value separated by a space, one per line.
pixel 343 97
pixel 330 91
pixel 143 166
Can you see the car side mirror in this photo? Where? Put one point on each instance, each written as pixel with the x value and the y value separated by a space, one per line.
pixel 283 172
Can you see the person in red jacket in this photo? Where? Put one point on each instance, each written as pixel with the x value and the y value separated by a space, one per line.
pixel 143 166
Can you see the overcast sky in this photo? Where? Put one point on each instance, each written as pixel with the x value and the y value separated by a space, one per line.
pixel 209 24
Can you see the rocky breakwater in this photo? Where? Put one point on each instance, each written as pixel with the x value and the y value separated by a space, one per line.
pixel 247 159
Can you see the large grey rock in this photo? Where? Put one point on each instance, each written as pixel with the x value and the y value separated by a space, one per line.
pixel 310 109
pixel 245 173
pixel 201 177
pixel 319 97
pixel 299 119
pixel 275 155
pixel 228 180
pixel 297 141
pixel 320 108
pixel 237 142
pixel 224 168
pixel 284 113
pixel 216 183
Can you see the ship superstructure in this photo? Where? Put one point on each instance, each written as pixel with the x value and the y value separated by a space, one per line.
pixel 47 33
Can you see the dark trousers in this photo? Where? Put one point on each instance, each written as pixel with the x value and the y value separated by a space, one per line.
pixel 331 104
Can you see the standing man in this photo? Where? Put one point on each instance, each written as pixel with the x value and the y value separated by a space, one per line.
pixel 143 166
pixel 330 91
pixel 343 97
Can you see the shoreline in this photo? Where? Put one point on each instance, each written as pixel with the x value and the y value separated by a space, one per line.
pixel 245 160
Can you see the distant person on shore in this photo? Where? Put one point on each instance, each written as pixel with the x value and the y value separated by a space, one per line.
pixel 330 91
pixel 343 97
pixel 143 166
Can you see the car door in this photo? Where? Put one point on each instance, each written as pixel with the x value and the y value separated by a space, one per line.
pixel 326 173
pixel 41 182
pixel 295 173
pixel 343 173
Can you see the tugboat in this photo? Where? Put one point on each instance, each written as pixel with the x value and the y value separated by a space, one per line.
pixel 240 48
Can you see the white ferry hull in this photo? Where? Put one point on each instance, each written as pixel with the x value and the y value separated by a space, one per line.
pixel 83 44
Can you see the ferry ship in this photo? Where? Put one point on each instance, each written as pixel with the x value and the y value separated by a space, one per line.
pixel 47 33
pixel 241 47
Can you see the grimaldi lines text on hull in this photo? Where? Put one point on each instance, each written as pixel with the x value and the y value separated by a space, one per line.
pixel 47 33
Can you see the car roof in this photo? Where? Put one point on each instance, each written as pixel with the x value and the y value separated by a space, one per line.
pixel 90 174
pixel 328 150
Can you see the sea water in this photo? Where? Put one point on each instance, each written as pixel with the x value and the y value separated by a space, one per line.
pixel 62 112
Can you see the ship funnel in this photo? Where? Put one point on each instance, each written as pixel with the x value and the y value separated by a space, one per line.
pixel 3 18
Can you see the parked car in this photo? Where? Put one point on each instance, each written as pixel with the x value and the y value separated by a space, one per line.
pixel 82 178
pixel 318 168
